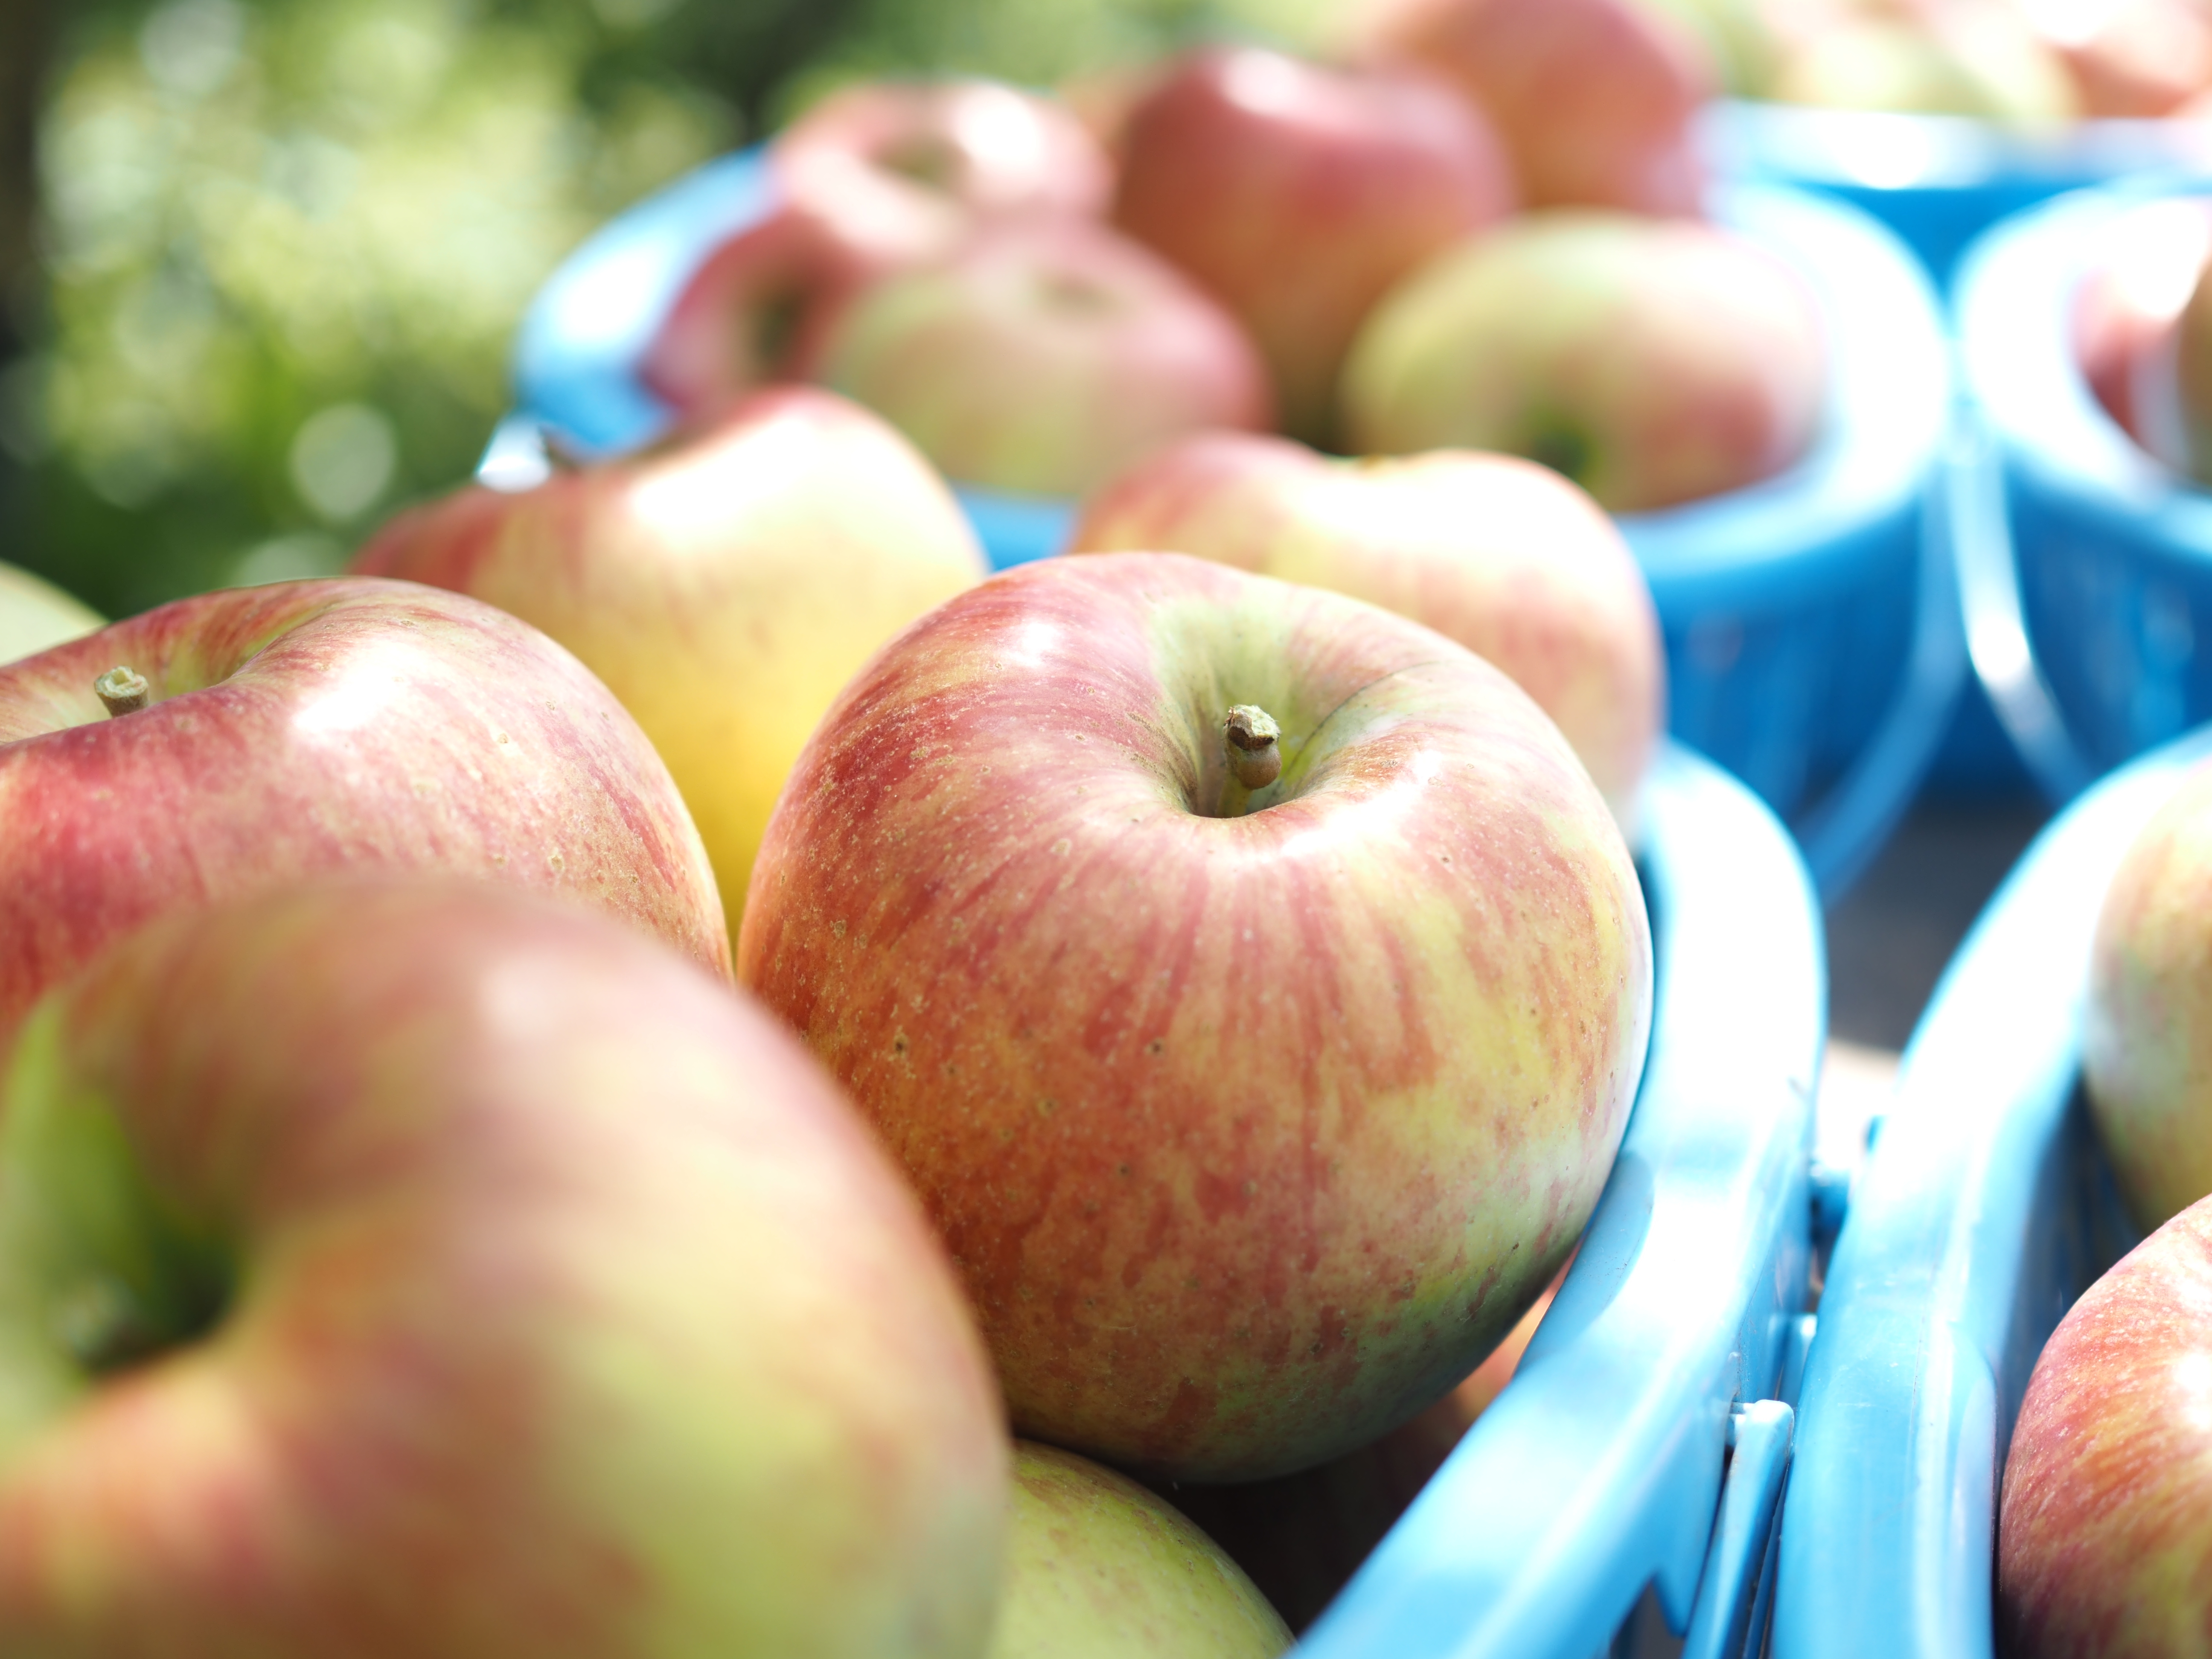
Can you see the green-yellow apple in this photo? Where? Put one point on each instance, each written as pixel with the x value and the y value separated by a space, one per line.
pixel 1506 557
pixel 1980 58
pixel 1296 195
pixel 1597 99
pixel 312 727
pixel 2147 1050
pixel 1098 1568
pixel 1652 361
pixel 724 585
pixel 1252 982
pixel 1045 356
pixel 35 614
pixel 432 1268
pixel 2104 1524
pixel 878 177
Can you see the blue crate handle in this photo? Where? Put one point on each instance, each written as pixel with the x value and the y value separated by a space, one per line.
pixel 1929 1325
pixel 1598 1471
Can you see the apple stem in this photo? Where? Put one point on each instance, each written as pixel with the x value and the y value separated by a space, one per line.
pixel 123 690
pixel 1255 760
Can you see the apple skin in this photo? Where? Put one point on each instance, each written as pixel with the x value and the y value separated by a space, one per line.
pixel 1045 356
pixel 1296 195
pixel 725 585
pixel 1978 59
pixel 1596 99
pixel 1098 1568
pixel 1652 361
pixel 2147 1043
pixel 35 614
pixel 312 727
pixel 482 1279
pixel 1505 557
pixel 1254 1119
pixel 2104 1524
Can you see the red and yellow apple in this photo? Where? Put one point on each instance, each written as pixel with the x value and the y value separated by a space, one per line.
pixel 1652 361
pixel 1504 556
pixel 1044 358
pixel 2104 1525
pixel 35 614
pixel 2146 1039
pixel 1296 195
pixel 725 587
pixel 315 727
pixel 1597 99
pixel 2123 313
pixel 1098 1568
pixel 431 1268
pixel 1252 982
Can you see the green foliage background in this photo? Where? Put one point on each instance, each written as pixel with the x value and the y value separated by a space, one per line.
pixel 282 245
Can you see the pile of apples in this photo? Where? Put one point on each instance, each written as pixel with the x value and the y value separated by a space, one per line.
pixel 671 1067
pixel 2013 61
pixel 2105 1527
pixel 1479 229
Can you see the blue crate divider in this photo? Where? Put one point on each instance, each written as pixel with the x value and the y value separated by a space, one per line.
pixel 1802 647
pixel 2086 565
pixel 1606 1467
pixel 1984 1208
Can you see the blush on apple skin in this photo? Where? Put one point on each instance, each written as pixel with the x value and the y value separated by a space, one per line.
pixel 1045 356
pixel 1504 555
pixel 2147 1043
pixel 1654 362
pixel 725 585
pixel 2105 1526
pixel 320 727
pixel 1597 99
pixel 566 1308
pixel 1252 1134
pixel 1296 195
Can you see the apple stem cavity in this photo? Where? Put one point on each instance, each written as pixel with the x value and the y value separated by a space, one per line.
pixel 123 689
pixel 1256 759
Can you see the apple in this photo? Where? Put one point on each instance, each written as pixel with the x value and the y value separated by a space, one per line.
pixel 430 1267
pixel 317 726
pixel 1504 556
pixel 990 149
pixel 1597 99
pixel 2105 1523
pixel 1296 195
pixel 725 585
pixel 1652 361
pixel 2123 316
pixel 1098 1568
pixel 1973 58
pixel 2146 1039
pixel 1301 1536
pixel 1252 982
pixel 878 177
pixel 2129 59
pixel 1044 358
pixel 35 614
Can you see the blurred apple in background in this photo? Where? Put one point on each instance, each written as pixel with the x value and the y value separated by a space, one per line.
pixel 1098 1568
pixel 1652 361
pixel 318 727
pixel 35 614
pixel 2104 1525
pixel 1974 57
pixel 2129 59
pixel 1301 1536
pixel 2146 1047
pixel 2124 314
pixel 437 1269
pixel 1504 556
pixel 1044 358
pixel 1252 982
pixel 726 586
pixel 1296 195
pixel 1595 99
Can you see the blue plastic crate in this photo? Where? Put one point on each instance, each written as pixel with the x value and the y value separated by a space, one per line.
pixel 1983 1210
pixel 2086 565
pixel 1812 643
